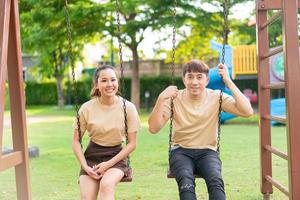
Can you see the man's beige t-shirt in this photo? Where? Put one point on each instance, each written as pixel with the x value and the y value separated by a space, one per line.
pixel 105 124
pixel 195 123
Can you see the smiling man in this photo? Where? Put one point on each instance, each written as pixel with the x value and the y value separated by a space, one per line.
pixel 194 136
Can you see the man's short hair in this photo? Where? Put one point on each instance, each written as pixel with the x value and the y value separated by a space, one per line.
pixel 195 66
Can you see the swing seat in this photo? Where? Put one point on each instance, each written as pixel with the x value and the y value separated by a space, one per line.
pixel 170 175
pixel 128 176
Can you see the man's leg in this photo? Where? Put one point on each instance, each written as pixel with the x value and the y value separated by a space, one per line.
pixel 209 166
pixel 182 166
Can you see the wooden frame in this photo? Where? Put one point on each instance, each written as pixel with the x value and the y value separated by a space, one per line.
pixel 11 68
pixel 288 11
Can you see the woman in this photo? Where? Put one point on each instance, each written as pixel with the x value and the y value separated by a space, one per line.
pixel 104 163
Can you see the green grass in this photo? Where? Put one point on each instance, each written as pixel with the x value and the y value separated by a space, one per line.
pixel 54 174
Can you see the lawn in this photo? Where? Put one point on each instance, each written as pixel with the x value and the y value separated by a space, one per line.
pixel 54 174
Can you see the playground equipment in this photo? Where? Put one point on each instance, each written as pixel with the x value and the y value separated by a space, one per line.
pixel 11 67
pixel 288 10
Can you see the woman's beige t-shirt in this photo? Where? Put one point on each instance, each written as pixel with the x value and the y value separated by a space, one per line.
pixel 105 124
pixel 195 123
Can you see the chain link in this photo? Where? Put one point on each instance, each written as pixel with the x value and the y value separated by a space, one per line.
pixel 122 73
pixel 225 31
pixel 70 55
pixel 173 73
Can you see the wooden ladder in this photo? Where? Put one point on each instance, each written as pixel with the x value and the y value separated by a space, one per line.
pixel 287 10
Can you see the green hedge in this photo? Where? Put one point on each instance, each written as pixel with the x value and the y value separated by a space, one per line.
pixel 46 93
pixel 40 93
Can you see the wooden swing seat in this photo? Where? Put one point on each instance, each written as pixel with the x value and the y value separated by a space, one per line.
pixel 128 177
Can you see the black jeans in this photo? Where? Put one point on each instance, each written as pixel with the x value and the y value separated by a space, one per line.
pixel 184 163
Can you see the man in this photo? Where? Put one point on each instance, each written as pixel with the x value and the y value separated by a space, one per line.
pixel 194 136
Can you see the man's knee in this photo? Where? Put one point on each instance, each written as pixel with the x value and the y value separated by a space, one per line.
pixel 215 182
pixel 187 189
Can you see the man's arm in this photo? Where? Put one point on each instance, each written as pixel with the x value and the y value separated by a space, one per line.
pixel 242 104
pixel 157 118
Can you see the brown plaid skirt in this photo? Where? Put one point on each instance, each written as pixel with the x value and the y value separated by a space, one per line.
pixel 95 154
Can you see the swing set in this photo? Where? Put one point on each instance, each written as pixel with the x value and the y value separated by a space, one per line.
pixel 11 68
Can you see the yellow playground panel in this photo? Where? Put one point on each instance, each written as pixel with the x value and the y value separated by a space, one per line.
pixel 244 60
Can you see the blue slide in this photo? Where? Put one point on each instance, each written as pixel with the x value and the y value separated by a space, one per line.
pixel 277 107
pixel 216 83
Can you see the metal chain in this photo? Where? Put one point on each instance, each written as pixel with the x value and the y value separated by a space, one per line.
pixel 70 54
pixel 225 31
pixel 225 28
pixel 122 73
pixel 173 73
pixel 174 40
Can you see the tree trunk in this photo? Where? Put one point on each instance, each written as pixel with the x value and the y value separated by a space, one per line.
pixel 59 78
pixel 60 94
pixel 135 81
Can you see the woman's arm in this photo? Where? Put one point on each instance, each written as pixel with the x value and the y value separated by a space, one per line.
pixel 242 104
pixel 130 147
pixel 157 119
pixel 80 157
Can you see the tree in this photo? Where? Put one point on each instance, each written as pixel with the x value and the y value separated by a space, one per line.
pixel 44 33
pixel 207 25
pixel 137 16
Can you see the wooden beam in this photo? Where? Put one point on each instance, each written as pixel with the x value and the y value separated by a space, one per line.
pixel 272 19
pixel 264 101
pixel 17 102
pixel 292 74
pixel 277 152
pixel 4 26
pixel 270 4
pixel 278 185
pixel 280 85
pixel 10 160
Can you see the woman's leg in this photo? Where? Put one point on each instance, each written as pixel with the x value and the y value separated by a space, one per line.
pixel 209 166
pixel 108 183
pixel 89 187
pixel 182 166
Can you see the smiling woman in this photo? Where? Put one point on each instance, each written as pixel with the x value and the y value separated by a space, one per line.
pixel 109 120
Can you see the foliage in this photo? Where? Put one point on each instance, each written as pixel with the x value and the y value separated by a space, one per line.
pixel 44 93
pixel 44 34
pixel 207 25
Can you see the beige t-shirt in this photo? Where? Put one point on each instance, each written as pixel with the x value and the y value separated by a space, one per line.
pixel 195 123
pixel 105 124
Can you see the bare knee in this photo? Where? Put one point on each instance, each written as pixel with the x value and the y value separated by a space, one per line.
pixel 107 186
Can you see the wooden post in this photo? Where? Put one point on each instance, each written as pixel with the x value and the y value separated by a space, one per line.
pixel 292 74
pixel 11 65
pixel 264 101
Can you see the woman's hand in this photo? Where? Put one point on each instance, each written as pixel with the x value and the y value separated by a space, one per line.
pixel 224 73
pixel 169 92
pixel 101 168
pixel 91 172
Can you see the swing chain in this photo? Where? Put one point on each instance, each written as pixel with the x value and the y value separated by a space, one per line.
pixel 122 72
pixel 70 54
pixel 219 121
pixel 174 40
pixel 173 72
pixel 225 31
pixel 225 28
